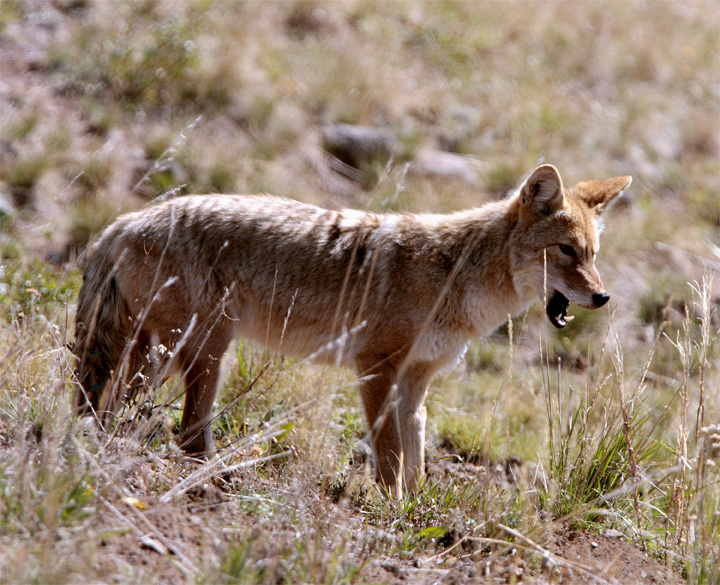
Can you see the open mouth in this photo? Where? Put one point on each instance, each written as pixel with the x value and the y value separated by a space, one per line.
pixel 557 310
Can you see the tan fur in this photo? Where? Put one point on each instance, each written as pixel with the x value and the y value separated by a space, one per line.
pixel 397 296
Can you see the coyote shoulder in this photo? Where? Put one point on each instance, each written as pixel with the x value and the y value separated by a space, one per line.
pixel 396 296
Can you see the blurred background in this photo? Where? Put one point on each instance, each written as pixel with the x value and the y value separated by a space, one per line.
pixel 107 104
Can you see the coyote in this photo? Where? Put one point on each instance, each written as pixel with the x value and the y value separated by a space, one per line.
pixel 397 296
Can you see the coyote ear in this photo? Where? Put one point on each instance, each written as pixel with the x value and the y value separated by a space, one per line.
pixel 599 194
pixel 543 190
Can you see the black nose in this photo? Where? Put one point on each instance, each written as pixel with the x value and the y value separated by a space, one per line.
pixel 600 299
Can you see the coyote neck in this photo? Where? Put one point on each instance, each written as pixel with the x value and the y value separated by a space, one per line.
pixel 484 278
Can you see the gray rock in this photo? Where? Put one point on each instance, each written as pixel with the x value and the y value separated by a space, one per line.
pixel 430 161
pixel 358 145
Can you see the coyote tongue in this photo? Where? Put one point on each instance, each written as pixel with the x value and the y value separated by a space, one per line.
pixel 557 310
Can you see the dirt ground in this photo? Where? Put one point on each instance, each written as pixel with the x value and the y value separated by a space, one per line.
pixel 168 534
pixel 134 532
pixel 128 534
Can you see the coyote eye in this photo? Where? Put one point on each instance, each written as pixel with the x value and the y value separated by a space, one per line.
pixel 567 250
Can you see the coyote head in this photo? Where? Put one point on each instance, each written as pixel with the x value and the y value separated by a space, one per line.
pixel 556 239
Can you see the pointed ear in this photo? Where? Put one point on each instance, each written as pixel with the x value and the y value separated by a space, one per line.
pixel 599 194
pixel 543 191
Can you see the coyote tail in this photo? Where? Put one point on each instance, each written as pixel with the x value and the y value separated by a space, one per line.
pixel 103 326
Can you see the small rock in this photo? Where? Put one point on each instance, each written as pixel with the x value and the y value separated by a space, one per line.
pixel 152 544
pixel 430 161
pixel 6 207
pixel 393 568
pixel 356 145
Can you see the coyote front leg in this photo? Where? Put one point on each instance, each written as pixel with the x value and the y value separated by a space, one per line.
pixel 412 415
pixel 379 400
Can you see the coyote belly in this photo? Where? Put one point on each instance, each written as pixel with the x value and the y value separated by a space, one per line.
pixel 396 296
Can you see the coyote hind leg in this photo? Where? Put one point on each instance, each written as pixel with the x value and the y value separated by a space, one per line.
pixel 128 381
pixel 201 369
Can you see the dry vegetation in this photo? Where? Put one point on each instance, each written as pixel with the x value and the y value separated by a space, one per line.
pixel 589 455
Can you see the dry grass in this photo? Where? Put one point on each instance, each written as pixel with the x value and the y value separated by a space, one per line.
pixel 605 425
